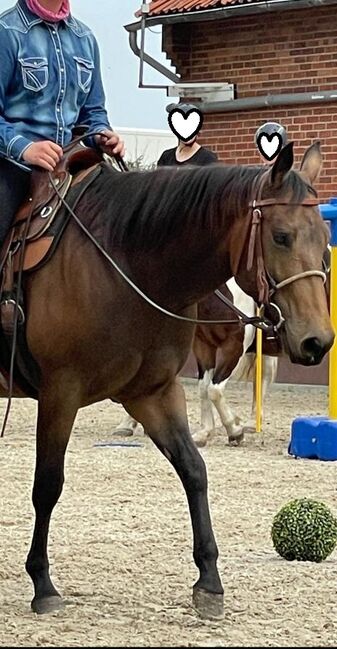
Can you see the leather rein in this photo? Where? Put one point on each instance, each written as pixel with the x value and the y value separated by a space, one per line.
pixel 265 283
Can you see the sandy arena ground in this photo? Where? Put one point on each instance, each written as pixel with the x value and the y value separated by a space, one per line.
pixel 120 541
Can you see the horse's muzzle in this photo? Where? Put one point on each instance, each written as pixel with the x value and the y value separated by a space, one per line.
pixel 308 351
pixel 314 348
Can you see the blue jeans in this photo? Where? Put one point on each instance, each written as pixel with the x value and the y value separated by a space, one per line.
pixel 14 188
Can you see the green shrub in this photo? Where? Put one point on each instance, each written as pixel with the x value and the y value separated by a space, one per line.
pixel 304 530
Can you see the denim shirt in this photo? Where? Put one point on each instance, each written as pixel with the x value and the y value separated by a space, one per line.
pixel 50 80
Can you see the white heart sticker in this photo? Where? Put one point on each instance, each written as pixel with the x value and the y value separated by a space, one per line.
pixel 185 125
pixel 269 145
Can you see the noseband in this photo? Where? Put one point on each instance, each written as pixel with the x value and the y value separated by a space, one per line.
pixel 266 285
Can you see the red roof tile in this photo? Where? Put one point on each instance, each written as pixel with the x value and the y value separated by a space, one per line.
pixel 162 7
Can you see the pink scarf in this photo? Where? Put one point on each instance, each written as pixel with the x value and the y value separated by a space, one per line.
pixel 36 8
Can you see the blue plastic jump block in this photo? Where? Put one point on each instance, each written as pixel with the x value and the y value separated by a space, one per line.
pixel 314 438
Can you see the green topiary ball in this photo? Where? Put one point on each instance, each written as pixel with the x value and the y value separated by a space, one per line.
pixel 304 530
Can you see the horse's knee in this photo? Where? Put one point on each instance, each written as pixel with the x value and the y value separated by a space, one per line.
pixel 195 473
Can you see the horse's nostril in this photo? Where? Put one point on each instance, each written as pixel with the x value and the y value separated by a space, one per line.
pixel 313 348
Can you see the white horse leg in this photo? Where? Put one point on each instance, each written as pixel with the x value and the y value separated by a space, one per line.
pixel 215 392
pixel 206 414
pixel 127 427
pixel 232 423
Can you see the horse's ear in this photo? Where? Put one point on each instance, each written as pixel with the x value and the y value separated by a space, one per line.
pixel 283 164
pixel 312 162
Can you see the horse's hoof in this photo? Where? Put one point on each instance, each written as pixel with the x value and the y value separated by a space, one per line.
pixel 249 430
pixel 235 440
pixel 123 432
pixel 208 605
pixel 47 604
pixel 200 439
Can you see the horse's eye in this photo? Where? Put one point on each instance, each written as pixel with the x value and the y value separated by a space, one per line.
pixel 282 239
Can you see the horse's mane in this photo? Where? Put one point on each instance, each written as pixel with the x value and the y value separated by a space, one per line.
pixel 144 210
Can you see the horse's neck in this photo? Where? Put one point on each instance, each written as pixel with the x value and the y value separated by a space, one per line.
pixel 189 273
pixel 201 259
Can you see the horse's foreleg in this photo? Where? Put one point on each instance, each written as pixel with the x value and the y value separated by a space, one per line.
pixel 56 414
pixel 207 423
pixel 165 420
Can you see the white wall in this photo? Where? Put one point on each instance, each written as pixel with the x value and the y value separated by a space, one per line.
pixel 149 143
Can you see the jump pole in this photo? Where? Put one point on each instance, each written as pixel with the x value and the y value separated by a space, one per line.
pixel 258 378
pixel 329 213
pixel 317 436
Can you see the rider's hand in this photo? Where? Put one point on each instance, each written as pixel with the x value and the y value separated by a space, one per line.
pixel 110 143
pixel 43 154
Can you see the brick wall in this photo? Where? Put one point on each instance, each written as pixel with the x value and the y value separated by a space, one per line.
pixel 283 52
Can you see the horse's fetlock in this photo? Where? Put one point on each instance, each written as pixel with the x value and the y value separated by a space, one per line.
pixel 36 565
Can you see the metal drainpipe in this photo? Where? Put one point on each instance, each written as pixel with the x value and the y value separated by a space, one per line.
pixel 151 61
pixel 267 100
pixel 145 11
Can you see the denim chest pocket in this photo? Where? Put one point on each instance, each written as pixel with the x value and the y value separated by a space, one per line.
pixel 85 69
pixel 34 71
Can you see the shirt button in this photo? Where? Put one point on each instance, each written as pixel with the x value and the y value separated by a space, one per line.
pixel 58 110
pixel 62 91
pixel 61 128
pixel 61 69
pixel 58 50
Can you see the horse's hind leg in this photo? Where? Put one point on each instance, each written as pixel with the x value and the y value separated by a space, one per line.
pixel 231 422
pixel 207 423
pixel 127 426
pixel 165 421
pixel 56 416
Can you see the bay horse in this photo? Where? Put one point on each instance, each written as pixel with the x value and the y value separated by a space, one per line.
pixel 224 352
pixel 178 234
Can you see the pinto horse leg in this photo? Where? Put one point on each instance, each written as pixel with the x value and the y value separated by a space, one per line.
pixel 165 421
pixel 207 423
pixel 232 423
pixel 127 427
pixel 56 414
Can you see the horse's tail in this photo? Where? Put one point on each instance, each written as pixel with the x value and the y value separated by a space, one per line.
pixel 245 369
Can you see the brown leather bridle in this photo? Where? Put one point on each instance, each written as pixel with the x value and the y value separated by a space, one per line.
pixel 266 285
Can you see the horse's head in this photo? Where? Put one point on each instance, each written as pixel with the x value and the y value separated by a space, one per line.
pixel 287 246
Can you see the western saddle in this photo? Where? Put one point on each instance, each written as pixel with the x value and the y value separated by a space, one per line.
pixel 31 235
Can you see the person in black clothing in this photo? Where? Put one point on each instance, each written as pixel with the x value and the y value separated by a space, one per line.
pixel 186 153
